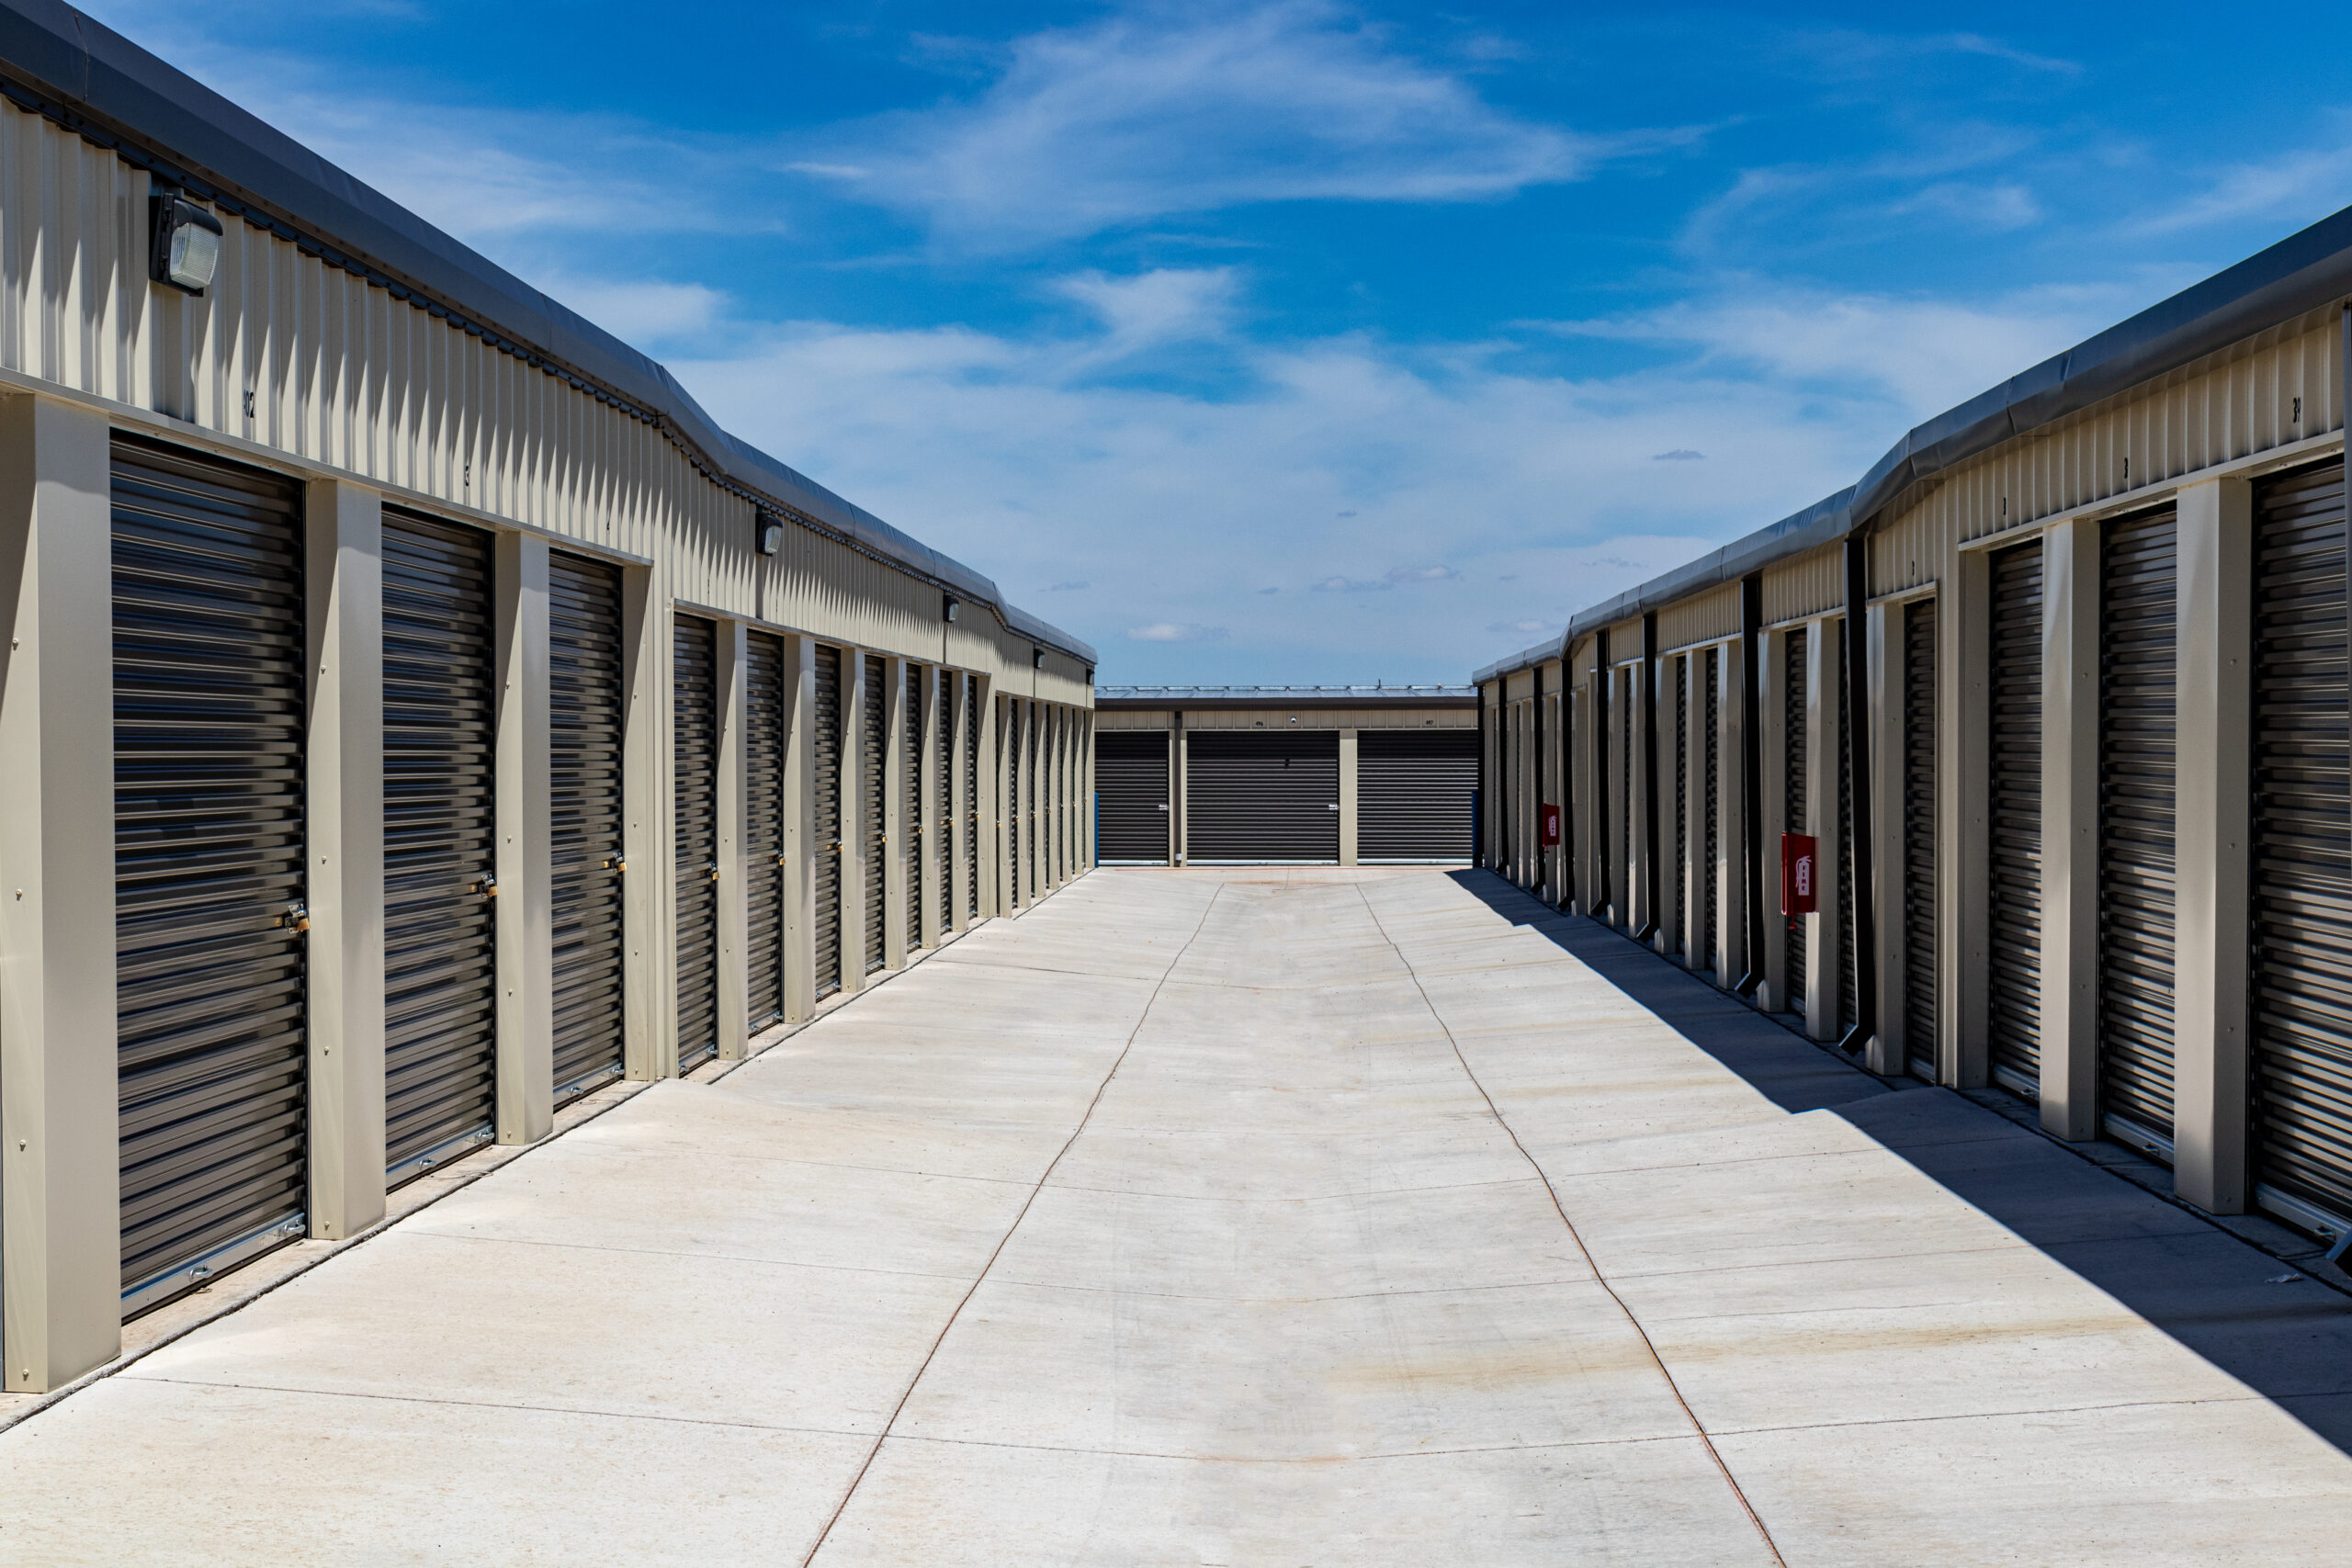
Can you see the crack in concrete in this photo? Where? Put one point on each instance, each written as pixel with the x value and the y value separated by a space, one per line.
pixel 1141 1019
pixel 1697 1426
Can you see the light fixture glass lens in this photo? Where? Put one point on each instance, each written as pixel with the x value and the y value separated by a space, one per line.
pixel 196 255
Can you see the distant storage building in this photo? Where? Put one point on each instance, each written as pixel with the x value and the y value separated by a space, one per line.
pixel 1286 775
pixel 2026 760
pixel 415 710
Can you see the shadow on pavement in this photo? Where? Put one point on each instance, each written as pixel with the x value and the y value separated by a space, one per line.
pixel 2209 1289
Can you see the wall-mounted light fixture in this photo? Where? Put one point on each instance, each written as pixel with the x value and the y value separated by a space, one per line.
pixel 767 533
pixel 948 608
pixel 188 243
pixel 1037 659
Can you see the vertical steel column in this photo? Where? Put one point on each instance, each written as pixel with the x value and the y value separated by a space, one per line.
pixel 2214 817
pixel 525 909
pixel 649 1003
pixel 345 841
pixel 2070 654
pixel 61 1257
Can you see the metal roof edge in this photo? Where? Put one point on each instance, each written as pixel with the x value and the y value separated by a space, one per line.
pixel 2308 269
pixel 83 64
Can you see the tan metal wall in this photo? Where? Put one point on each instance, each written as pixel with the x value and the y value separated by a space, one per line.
pixel 286 358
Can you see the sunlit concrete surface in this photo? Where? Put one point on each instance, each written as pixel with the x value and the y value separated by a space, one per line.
pixel 1249 1217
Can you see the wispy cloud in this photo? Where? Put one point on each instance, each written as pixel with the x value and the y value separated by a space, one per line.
pixel 1169 111
pixel 1177 631
pixel 2299 187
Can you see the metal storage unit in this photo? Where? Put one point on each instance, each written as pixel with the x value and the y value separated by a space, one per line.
pixel 693 807
pixel 872 761
pixel 1711 806
pixel 440 842
pixel 1131 777
pixel 1678 819
pixel 1413 789
pixel 2138 578
pixel 825 863
pixel 584 819
pixel 1850 1004
pixel 763 857
pixel 1263 796
pixel 943 852
pixel 2300 1010
pixel 212 1047
pixel 917 847
pixel 2013 798
pixel 1919 1015
pixel 972 797
pixel 1795 768
pixel 1008 745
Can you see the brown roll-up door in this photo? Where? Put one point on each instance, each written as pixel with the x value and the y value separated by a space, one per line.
pixel 972 797
pixel 763 867
pixel 1413 789
pixel 693 806
pixel 1131 777
pixel 917 848
pixel 1850 1004
pixel 1796 771
pixel 825 852
pixel 211 1049
pixel 440 842
pixel 2138 576
pixel 1711 828
pixel 2014 1021
pixel 943 856
pixel 1008 808
pixel 584 819
pixel 2301 1016
pixel 1671 885
pixel 1264 795
pixel 873 764
pixel 1919 1015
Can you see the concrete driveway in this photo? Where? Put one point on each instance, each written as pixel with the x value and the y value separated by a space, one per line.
pixel 1249 1217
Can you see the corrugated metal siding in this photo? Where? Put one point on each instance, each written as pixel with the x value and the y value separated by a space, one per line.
pixel 1699 618
pixel 2230 405
pixel 1809 585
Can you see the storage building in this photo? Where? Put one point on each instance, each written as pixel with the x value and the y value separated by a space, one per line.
pixel 2024 761
pixel 415 710
pixel 1286 775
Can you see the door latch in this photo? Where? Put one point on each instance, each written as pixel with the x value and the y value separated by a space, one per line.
pixel 295 917
pixel 615 863
pixel 486 887
pixel 711 871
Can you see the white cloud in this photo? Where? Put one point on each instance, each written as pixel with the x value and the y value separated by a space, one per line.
pixel 1926 353
pixel 1177 631
pixel 1179 110
pixel 1181 508
pixel 2301 187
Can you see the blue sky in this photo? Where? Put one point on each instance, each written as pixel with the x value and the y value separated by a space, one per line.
pixel 1310 342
